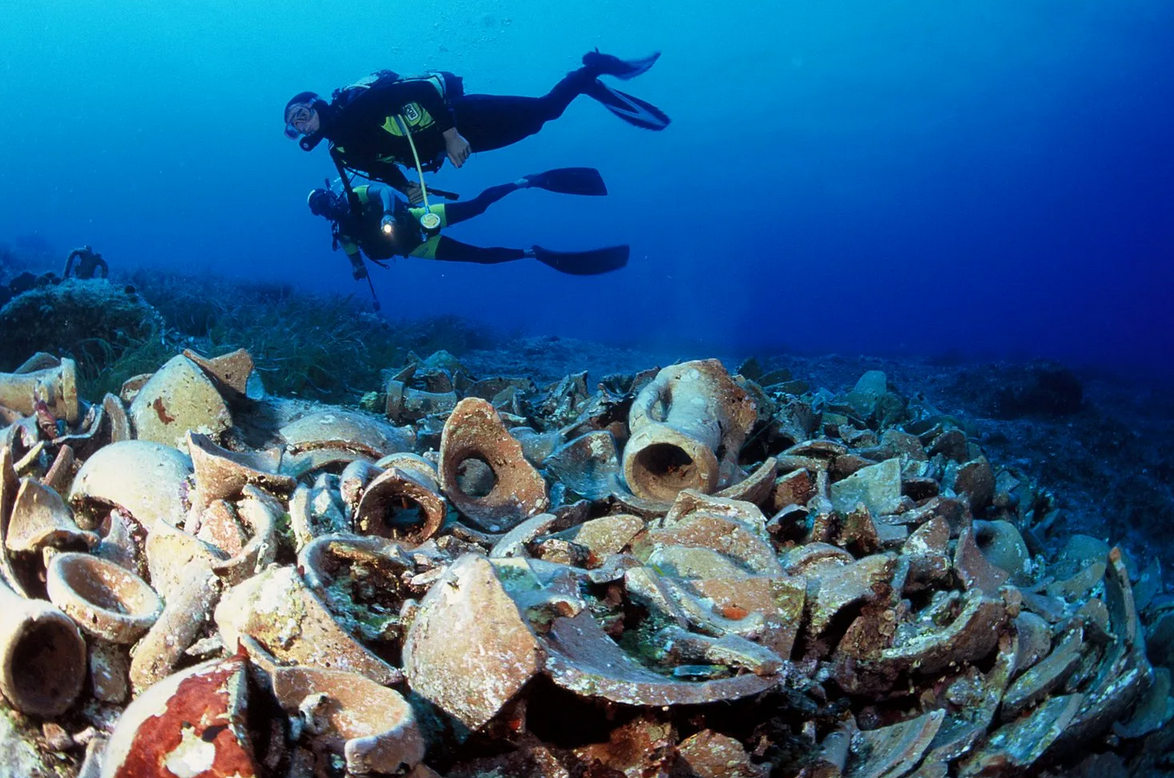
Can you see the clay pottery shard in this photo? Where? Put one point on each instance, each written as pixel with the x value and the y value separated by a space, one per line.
pixel 179 625
pixel 362 581
pixel 794 488
pixel 39 361
pixel 756 488
pixel 887 751
pixel 928 552
pixel 709 754
pixel 169 550
pixel 405 404
pixel 877 486
pixel 605 536
pixel 314 512
pixel 189 724
pixel 55 386
pixel 178 398
pixel 974 569
pixel 277 609
pixel 589 465
pixel 117 422
pixel 834 587
pixel 358 434
pixel 537 446
pixel 1123 674
pixel 231 372
pixel 9 486
pixel 60 474
pixel 716 533
pixel 147 480
pixel 1014 747
pixel 353 480
pixel 687 429
pixel 41 518
pixel 975 479
pixel 469 651
pixel 510 491
pixel 261 513
pixel 1003 546
pixel 371 726
pixel 132 386
pixel 972 635
pixel 107 601
pixel 691 502
pixel 42 656
pixel 221 474
pixel 583 659
pixel 403 502
pixel 779 599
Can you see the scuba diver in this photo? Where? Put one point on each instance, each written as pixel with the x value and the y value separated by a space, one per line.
pixel 372 220
pixel 385 121
pixel 88 262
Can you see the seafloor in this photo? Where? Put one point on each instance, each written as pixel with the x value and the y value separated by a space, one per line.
pixel 1073 461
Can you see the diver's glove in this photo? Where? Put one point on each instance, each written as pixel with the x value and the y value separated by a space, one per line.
pixel 359 271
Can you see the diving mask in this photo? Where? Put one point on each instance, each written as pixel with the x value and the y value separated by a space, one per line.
pixel 297 120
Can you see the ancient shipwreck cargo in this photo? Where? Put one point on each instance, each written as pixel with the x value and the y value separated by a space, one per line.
pixel 502 579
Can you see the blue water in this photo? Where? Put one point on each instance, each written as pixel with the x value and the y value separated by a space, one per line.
pixel 989 179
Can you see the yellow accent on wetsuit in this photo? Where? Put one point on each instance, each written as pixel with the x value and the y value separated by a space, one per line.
pixel 415 116
pixel 427 249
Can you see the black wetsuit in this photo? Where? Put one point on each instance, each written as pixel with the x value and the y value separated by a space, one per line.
pixel 363 234
pixel 366 129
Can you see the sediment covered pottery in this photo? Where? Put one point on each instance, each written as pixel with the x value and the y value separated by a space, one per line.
pixel 687 429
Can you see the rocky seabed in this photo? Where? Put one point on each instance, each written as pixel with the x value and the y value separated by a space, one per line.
pixel 681 572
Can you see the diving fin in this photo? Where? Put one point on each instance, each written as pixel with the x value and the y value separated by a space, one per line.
pixel 609 65
pixel 633 110
pixel 584 263
pixel 570 180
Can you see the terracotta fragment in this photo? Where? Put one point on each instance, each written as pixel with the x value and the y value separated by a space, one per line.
pixel 709 754
pixel 474 434
pixel 191 723
pixel 834 587
pixel 403 502
pixel 335 436
pixel 42 656
pixel 277 609
pixel 56 387
pixel 680 422
pixel 583 659
pixel 147 480
pixel 758 487
pixel 231 372
pixel 106 600
pixel 178 398
pixel 220 474
pixel 40 518
pixel 371 726
pixel 877 753
pixel 779 599
pixel 877 486
pixel 588 465
pixel 181 622
pixel 469 650
pixel 717 534
pixel 362 580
